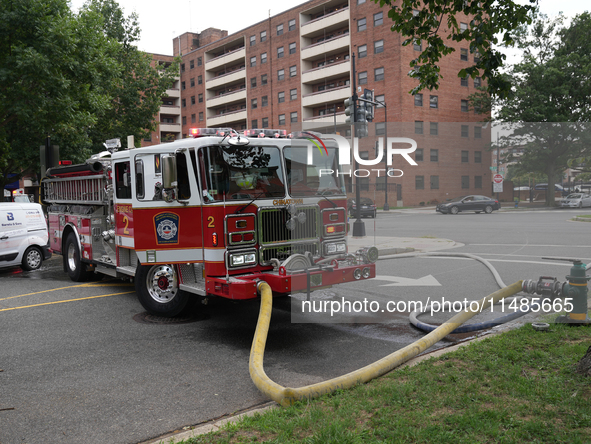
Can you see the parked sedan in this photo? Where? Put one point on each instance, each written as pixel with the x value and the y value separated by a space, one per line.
pixel 368 207
pixel 576 200
pixel 474 203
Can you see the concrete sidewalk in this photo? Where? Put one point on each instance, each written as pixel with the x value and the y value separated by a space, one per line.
pixel 395 245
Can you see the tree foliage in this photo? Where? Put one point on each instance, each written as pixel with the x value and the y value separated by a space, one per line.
pixel 76 78
pixel 432 22
pixel 551 88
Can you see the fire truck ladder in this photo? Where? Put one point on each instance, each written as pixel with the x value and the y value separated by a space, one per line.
pixel 86 190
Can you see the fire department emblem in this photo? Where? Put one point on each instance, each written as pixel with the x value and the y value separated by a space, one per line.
pixel 167 228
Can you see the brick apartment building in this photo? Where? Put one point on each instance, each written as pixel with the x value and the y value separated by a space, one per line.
pixel 294 70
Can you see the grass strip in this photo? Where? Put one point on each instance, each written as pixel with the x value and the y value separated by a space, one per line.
pixel 520 386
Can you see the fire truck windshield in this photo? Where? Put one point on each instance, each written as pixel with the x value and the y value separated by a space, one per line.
pixel 320 175
pixel 240 173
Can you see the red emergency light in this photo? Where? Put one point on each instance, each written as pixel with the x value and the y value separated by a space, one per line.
pixel 273 133
pixel 65 162
pixel 204 132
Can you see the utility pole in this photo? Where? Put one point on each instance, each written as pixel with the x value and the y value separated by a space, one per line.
pixel 358 225
pixel 386 206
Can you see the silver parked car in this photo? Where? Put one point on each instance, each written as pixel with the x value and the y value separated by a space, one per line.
pixel 576 200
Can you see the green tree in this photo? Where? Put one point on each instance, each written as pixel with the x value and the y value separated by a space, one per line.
pixel 551 92
pixel 429 22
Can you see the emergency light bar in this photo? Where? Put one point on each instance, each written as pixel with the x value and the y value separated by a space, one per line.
pixel 274 133
pixel 203 132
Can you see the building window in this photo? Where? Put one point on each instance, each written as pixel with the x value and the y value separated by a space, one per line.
pixel 418 100
pixel 463 27
pixel 464 54
pixel 477 82
pixel 201 116
pixel 362 78
pixel 280 74
pixel 293 71
pixel 419 182
pixel 362 51
pixel 416 44
pixel 379 74
pixel 380 128
pixel 476 57
pixel 478 132
pixel 265 122
pixel 263 58
pixel 253 40
pixel 200 98
pixel 464 81
pixel 253 82
pixel 254 124
pixel 182 67
pixel 263 36
pixel 253 61
pixel 280 29
pixel 182 85
pixel 281 97
pixel 464 106
pixel 184 120
pixel 281 119
pixel 378 46
pixel 192 100
pixel 292 48
pixel 434 182
pixel 192 82
pixel 192 64
pixel 360 2
pixel 433 101
pixel 291 25
pixel 264 101
pixel 465 156
pixel 280 52
pixel 477 156
pixel 361 24
pixel 293 94
pixel 253 103
pixel 193 118
pixel 465 182
pixel 380 99
pixel 465 131
pixel 419 155
pixel 418 127
pixel 477 181
pixel 293 117
pixel 434 155
pixel 434 128
pixel 184 102
pixel 199 80
pixel 378 19
pixel 199 61
pixel 264 79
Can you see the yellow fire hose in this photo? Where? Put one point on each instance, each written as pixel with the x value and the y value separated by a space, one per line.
pixel 287 395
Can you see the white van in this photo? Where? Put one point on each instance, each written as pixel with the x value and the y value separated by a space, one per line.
pixel 23 235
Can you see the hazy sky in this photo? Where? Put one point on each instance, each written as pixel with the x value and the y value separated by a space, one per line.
pixel 160 24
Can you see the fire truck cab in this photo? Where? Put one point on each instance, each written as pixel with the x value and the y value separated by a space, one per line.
pixel 210 215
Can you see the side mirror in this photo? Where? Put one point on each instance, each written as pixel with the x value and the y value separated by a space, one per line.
pixel 169 179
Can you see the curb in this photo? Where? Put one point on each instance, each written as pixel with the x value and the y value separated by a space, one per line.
pixel 582 219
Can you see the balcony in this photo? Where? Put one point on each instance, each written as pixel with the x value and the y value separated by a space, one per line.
pixel 225 79
pixel 227 98
pixel 174 110
pixel 334 70
pixel 226 119
pixel 326 22
pixel 328 96
pixel 170 127
pixel 173 92
pixel 226 59
pixel 328 118
pixel 331 46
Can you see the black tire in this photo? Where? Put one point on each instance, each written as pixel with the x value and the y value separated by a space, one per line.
pixel 454 210
pixel 157 290
pixel 488 209
pixel 75 268
pixel 32 259
pixel 477 212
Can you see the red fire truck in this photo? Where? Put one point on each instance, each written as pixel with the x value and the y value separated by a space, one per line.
pixel 207 216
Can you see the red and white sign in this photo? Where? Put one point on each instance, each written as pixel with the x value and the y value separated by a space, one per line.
pixel 498 178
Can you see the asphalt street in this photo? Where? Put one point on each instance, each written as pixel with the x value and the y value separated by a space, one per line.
pixel 79 363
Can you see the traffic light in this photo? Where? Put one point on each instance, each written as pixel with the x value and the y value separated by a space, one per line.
pixel 369 107
pixel 361 129
pixel 349 110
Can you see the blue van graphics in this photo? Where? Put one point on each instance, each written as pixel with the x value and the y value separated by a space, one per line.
pixel 167 228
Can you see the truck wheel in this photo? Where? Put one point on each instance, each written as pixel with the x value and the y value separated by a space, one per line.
pixel 32 259
pixel 157 290
pixel 74 266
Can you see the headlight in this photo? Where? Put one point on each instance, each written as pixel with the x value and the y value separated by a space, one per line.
pixel 239 259
pixel 335 247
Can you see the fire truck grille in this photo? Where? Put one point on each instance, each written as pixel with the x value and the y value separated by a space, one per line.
pixel 283 251
pixel 278 225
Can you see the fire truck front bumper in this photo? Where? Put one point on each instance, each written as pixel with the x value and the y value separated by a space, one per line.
pixel 284 281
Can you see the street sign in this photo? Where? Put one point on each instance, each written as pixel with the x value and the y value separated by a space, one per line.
pixel 498 178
